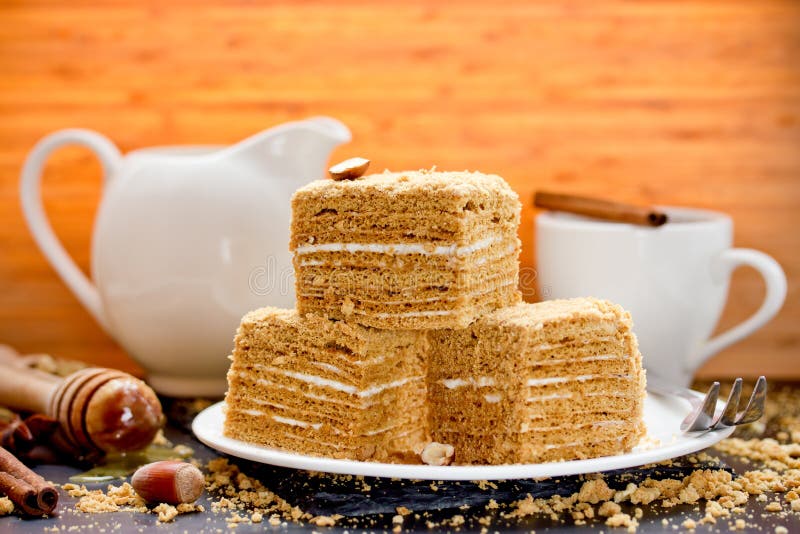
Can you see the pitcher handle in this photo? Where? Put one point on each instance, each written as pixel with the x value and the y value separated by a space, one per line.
pixel 775 281
pixel 38 224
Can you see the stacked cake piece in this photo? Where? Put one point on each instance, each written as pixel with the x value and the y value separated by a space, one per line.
pixel 415 250
pixel 327 387
pixel 538 382
pixel 409 329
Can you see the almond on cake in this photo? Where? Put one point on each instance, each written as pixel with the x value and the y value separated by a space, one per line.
pixel 406 250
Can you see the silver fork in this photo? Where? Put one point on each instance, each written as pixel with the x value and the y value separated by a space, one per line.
pixel 704 416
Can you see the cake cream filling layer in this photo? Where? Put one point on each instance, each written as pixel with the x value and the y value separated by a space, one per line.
pixel 301 393
pixel 424 249
pixel 503 253
pixel 314 426
pixel 577 426
pixel 478 382
pixel 598 358
pixel 343 445
pixel 555 396
pixel 311 418
pixel 334 384
pixel 535 382
pixel 594 339
pixel 487 381
pixel 405 302
pixel 580 443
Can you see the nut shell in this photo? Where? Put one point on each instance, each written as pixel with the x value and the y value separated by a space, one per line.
pixel 437 454
pixel 169 481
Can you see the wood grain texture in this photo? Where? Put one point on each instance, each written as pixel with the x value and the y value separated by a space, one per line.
pixel 694 103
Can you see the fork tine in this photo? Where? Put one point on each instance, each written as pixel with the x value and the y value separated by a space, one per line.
pixel 728 416
pixel 755 406
pixel 705 416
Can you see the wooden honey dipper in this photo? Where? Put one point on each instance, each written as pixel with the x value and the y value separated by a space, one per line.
pixel 99 410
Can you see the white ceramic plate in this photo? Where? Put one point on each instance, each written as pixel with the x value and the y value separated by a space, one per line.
pixel 662 416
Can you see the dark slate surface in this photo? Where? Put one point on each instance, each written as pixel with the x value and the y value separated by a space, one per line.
pixel 372 510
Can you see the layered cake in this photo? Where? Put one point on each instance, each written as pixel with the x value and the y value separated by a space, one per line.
pixel 325 387
pixel 557 380
pixel 410 336
pixel 406 250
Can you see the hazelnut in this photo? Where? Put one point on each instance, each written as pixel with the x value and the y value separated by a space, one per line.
pixel 349 169
pixel 168 481
pixel 437 454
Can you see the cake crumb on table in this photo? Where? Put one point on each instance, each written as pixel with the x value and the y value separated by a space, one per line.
pixel 166 513
pixel 6 506
pixel 773 507
pixel 324 520
pixel 608 509
pixel 622 520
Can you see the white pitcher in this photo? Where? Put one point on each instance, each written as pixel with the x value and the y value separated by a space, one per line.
pixel 187 239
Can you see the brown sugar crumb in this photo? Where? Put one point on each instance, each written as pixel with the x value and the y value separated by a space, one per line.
pixel 486 484
pixel 608 509
pixel 594 491
pixel 456 521
pixel 324 520
pixel 402 510
pixel 166 513
pixel 73 490
pixel 239 491
pixel 622 520
pixel 773 507
pixel 6 506
pixel 235 519
pixel 714 510
pixel 689 524
pixel 256 517
pixel 774 455
pixel 115 499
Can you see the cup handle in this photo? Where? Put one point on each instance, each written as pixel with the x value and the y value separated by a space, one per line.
pixel 33 208
pixel 775 281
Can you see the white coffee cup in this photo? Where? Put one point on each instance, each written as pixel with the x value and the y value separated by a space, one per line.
pixel 673 279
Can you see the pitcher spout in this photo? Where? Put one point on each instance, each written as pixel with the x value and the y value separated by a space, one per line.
pixel 334 129
pixel 297 150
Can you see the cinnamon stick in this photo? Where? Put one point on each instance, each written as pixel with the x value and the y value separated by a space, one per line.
pixel 600 209
pixel 21 493
pixel 32 493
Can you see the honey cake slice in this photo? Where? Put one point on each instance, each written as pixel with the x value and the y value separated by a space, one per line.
pixel 323 387
pixel 406 250
pixel 556 380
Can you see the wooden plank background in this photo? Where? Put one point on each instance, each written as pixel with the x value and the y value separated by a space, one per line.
pixel 694 103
